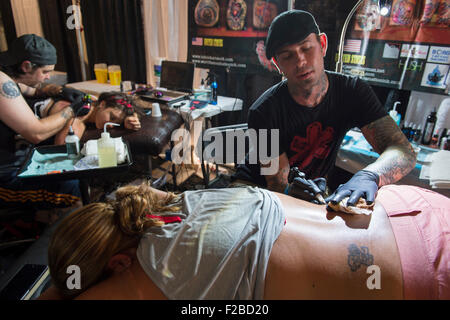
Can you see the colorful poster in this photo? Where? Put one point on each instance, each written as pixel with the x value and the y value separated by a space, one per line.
pixel 407 48
pixel 231 33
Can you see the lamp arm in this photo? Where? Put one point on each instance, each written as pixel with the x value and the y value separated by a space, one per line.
pixel 342 38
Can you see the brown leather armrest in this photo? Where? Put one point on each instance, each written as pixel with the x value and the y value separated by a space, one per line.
pixel 154 134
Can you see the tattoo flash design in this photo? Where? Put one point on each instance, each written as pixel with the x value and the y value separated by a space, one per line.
pixel 236 13
pixel 429 10
pixel 206 13
pixel 368 17
pixel 10 90
pixel 358 257
pixel 263 13
pixel 402 12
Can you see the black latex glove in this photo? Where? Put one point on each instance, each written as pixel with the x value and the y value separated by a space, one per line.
pixel 307 189
pixel 363 184
pixel 71 95
pixel 80 107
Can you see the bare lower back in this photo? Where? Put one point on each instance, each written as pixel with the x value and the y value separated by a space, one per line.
pixel 322 255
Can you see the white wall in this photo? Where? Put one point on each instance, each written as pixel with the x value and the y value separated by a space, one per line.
pixel 27 17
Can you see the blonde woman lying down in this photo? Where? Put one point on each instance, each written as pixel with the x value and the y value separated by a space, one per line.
pixel 250 243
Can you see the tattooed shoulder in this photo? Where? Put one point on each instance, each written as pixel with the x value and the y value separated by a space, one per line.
pixel 9 90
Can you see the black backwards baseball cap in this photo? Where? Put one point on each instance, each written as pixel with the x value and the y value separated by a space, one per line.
pixel 29 47
pixel 289 27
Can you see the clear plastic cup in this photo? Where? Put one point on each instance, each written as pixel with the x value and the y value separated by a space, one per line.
pixel 156 110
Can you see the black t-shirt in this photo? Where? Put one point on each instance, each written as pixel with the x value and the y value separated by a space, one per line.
pixel 311 137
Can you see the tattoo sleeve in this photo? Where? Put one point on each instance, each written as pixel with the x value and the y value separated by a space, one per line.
pixel 278 181
pixel 9 90
pixel 397 157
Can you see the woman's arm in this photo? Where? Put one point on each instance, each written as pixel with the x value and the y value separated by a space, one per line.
pixel 132 122
pixel 51 293
pixel 161 195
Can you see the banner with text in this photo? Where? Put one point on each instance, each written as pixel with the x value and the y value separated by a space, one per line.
pixel 408 48
pixel 231 33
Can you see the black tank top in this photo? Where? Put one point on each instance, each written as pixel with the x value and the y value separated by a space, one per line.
pixel 8 155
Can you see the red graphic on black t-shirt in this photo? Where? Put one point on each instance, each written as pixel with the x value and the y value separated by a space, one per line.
pixel 315 145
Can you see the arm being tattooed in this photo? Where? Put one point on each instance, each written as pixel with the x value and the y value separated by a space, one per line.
pixel 48 90
pixel 397 157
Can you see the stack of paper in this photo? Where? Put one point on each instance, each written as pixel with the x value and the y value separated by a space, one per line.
pixel 440 170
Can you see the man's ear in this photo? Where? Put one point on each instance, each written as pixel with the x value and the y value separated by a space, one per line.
pixel 119 263
pixel 324 43
pixel 26 66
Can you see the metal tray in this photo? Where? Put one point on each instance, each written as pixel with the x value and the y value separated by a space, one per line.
pixel 75 174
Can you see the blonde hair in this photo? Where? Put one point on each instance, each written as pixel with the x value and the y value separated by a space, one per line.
pixel 91 235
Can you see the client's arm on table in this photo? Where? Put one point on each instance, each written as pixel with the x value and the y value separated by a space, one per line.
pixel 132 122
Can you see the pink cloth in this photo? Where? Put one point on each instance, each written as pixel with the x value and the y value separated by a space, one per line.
pixel 420 220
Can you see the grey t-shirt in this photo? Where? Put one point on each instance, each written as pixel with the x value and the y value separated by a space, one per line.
pixel 221 248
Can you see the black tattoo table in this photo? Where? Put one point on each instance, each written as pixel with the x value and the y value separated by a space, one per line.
pixel 61 174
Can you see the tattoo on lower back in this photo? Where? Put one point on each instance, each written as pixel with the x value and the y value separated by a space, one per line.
pixel 9 90
pixel 358 257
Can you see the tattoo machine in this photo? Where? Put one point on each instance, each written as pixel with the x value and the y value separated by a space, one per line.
pixel 307 183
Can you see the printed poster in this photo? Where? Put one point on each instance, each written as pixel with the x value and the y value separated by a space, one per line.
pixel 406 48
pixel 231 33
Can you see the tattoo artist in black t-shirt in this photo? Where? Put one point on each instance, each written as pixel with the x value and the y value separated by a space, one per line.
pixel 313 109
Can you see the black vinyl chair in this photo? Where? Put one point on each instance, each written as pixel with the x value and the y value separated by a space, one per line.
pixel 222 145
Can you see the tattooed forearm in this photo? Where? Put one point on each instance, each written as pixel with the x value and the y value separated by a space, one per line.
pixel 397 157
pixel 279 181
pixel 48 90
pixel 9 90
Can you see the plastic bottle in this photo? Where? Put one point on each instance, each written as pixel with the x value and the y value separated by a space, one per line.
pixel 214 91
pixel 443 135
pixel 429 128
pixel 107 156
pixel 72 144
pixel 394 114
pixel 445 144
pixel 418 134
pixel 412 132
pixel 405 129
